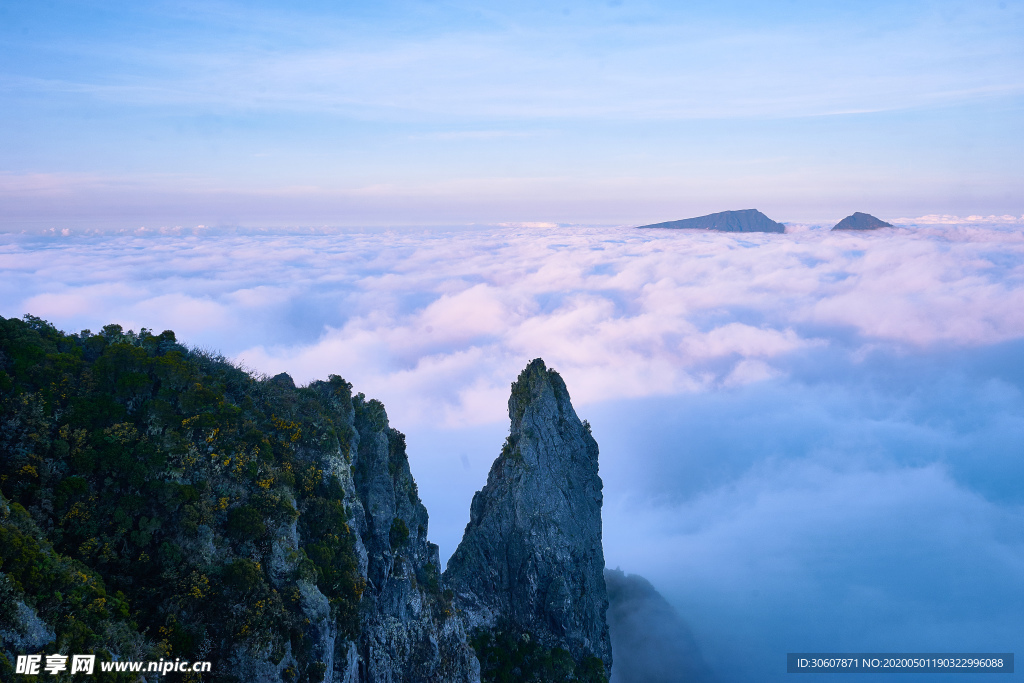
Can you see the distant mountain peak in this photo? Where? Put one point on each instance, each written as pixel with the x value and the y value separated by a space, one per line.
pixel 861 221
pixel 744 220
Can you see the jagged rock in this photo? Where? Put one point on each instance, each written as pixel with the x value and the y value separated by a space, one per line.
pixel 275 530
pixel 531 559
pixel 650 641
pixel 24 631
pixel 861 221
pixel 283 380
pixel 405 626
pixel 746 220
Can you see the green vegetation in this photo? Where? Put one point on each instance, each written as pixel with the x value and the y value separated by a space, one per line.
pixel 507 657
pixel 144 486
pixel 159 502
pixel 508 449
pixel 399 534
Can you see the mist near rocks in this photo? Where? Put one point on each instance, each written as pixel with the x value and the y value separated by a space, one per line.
pixel 809 441
pixel 651 643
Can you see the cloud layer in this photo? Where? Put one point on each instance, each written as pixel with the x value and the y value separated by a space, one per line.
pixel 852 507
pixel 436 322
pixel 809 441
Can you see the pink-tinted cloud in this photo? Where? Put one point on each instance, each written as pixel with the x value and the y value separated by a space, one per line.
pixel 436 323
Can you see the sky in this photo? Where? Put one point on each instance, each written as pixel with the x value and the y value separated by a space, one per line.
pixel 178 113
pixel 810 441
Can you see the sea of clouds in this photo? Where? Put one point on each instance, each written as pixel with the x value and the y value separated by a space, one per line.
pixel 810 442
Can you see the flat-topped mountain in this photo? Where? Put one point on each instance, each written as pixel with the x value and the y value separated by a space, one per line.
pixel 861 221
pixel 746 220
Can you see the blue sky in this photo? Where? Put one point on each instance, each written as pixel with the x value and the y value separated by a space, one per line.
pixel 414 113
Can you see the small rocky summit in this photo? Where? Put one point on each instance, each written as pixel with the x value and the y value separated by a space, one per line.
pixel 861 221
pixel 531 563
pixel 746 220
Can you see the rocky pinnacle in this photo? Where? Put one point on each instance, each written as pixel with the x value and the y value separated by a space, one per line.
pixel 531 558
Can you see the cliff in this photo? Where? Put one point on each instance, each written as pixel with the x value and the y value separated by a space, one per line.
pixel 408 629
pixel 530 565
pixel 158 502
pixel 746 220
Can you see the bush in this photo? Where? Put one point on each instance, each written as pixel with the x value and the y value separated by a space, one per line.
pixel 246 523
pixel 506 657
pixel 399 534
pixel 243 575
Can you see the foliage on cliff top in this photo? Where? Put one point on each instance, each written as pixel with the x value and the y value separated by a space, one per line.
pixel 164 474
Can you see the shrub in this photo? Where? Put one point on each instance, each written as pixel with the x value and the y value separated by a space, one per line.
pixel 399 534
pixel 506 657
pixel 243 575
pixel 246 523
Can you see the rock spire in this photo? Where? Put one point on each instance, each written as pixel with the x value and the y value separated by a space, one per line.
pixel 531 559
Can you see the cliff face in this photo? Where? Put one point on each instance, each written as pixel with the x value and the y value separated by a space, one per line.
pixel 531 560
pixel 409 632
pixel 158 502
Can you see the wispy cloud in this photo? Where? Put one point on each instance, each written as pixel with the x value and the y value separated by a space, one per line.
pixel 658 62
pixel 452 113
pixel 948 219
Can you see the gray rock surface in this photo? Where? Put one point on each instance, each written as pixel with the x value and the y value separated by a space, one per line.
pixel 531 557
pixel 25 630
pixel 307 559
pixel 745 220
pixel 861 221
pixel 408 632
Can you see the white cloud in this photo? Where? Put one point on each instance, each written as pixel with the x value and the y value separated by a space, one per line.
pixel 438 323
pixel 840 510
pixel 786 421
pixel 949 219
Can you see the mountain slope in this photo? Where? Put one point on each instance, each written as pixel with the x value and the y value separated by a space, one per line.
pixel 745 220
pixel 861 221
pixel 212 515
